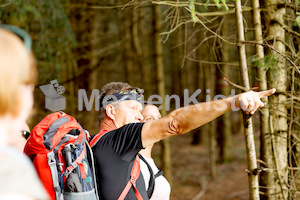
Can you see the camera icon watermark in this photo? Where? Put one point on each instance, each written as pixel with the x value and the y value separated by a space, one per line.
pixel 54 101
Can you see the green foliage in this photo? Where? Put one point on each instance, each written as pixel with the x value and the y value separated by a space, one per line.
pixel 192 9
pixel 269 63
pixel 55 34
pixel 19 13
pixel 297 21
pixel 217 2
pixel 50 29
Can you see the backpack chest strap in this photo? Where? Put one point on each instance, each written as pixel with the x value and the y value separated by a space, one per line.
pixel 134 175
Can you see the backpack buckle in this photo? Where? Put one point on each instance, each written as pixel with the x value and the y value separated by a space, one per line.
pixel 133 179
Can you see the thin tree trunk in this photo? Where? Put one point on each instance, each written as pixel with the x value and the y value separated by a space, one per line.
pixel 225 129
pixel 166 150
pixel 278 115
pixel 267 177
pixel 127 50
pixel 144 46
pixel 209 72
pixel 181 53
pixel 201 136
pixel 248 131
pixel 92 81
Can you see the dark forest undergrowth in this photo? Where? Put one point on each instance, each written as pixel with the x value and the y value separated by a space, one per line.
pixel 191 171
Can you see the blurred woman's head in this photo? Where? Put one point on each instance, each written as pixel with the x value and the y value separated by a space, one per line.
pixel 150 112
pixel 17 76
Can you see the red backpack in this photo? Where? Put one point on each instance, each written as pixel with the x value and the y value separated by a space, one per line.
pixel 62 158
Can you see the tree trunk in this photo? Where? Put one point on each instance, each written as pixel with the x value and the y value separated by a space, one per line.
pixel 278 115
pixel 200 135
pixel 181 54
pixel 209 72
pixel 248 128
pixel 166 150
pixel 127 51
pixel 94 59
pixel 267 177
pixel 225 130
pixel 143 44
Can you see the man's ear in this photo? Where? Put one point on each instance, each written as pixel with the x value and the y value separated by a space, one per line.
pixel 110 111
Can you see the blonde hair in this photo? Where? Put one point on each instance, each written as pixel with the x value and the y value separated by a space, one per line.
pixel 17 68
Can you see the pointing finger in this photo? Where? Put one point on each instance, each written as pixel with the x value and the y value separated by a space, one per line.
pixel 266 93
pixel 244 103
pixel 258 104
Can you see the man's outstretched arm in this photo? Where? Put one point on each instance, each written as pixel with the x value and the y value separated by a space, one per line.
pixel 187 118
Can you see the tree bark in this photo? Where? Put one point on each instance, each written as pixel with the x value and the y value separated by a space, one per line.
pixel 158 48
pixel 225 130
pixel 267 177
pixel 248 128
pixel 278 114
pixel 93 78
pixel 143 44
pixel 209 72
pixel 128 50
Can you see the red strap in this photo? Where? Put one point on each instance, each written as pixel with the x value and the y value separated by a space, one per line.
pixel 78 161
pixel 134 175
pixel 97 137
pixel 82 171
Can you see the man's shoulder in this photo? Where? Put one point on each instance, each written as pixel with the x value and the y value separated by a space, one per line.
pixel 124 140
pixel 131 127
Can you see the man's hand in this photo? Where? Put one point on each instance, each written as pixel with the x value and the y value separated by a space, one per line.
pixel 250 101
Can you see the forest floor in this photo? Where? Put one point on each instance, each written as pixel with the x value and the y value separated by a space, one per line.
pixel 191 171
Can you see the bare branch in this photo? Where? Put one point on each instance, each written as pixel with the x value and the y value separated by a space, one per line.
pixel 186 4
pixel 5 4
pixel 287 29
pixel 202 192
pixel 177 26
pixel 211 62
pixel 221 13
pixel 236 194
pixel 128 4
pixel 214 33
pixel 235 85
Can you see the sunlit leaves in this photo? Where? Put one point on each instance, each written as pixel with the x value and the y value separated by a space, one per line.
pixel 192 10
pixel 298 19
pixel 218 5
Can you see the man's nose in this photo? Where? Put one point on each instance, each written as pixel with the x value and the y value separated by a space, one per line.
pixel 139 117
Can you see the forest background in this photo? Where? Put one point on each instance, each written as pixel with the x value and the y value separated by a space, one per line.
pixel 165 47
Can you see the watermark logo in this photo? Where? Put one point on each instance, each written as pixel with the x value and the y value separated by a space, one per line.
pixel 54 101
pixel 189 99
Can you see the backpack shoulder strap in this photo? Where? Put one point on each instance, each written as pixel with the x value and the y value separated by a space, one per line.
pixel 159 173
pixel 97 137
pixel 151 184
pixel 54 174
pixel 134 175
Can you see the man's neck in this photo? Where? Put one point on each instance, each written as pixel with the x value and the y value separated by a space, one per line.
pixel 107 125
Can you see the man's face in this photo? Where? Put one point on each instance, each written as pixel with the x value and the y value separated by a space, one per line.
pixel 128 112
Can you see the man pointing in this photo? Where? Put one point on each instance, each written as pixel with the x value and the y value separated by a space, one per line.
pixel 123 136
